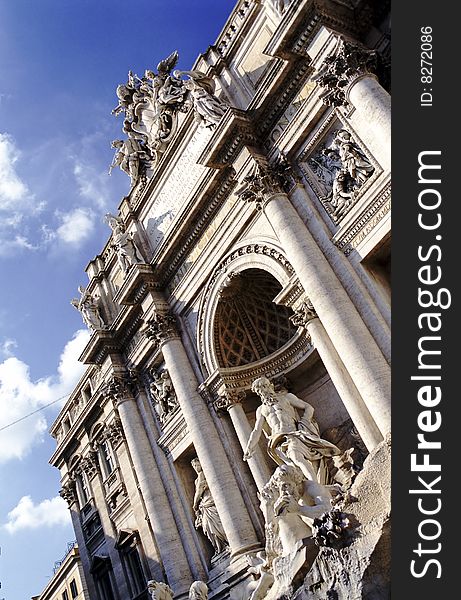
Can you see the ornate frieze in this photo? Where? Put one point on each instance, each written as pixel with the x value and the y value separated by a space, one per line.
pixel 345 64
pixel 161 328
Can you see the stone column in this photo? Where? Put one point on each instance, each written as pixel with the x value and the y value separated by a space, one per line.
pixel 348 78
pixel 351 338
pixel 306 317
pixel 218 471
pixel 163 524
pixel 233 403
pixel 68 493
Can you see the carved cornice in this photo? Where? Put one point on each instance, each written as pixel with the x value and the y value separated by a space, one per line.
pixel 101 344
pixel 214 201
pixel 233 133
pixel 351 236
pixel 139 281
pixel 348 62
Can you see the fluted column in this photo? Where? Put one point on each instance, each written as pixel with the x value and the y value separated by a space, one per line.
pixel 307 317
pixel 160 514
pixel 351 338
pixel 348 78
pixel 233 403
pixel 210 451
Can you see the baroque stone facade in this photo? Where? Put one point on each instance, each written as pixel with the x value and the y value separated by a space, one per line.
pixel 230 437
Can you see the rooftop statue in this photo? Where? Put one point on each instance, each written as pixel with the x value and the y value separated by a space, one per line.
pixel 88 305
pixel 151 104
pixel 122 241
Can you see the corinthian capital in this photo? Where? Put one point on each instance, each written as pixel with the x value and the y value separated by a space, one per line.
pixel 228 399
pixel 304 315
pixel 161 328
pixel 265 181
pixel 68 492
pixel 345 64
pixel 121 387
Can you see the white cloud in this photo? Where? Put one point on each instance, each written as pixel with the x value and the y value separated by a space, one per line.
pixel 20 395
pixel 12 189
pixel 76 226
pixel 8 347
pixel 92 184
pixel 27 515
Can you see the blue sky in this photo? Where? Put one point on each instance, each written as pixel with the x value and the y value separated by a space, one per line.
pixel 60 62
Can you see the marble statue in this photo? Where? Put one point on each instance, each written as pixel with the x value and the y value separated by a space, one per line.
pixel 122 241
pixel 131 156
pixel 291 440
pixel 159 590
pixel 205 511
pixel 198 591
pixel 88 306
pixel 207 107
pixel 163 394
pixel 150 105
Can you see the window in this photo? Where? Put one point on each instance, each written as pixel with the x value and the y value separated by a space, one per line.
pixel 83 489
pixel 65 595
pixel 73 589
pixel 107 457
pixel 101 570
pixel 131 553
pixel 134 568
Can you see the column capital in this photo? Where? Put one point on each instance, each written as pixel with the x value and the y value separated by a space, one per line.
pixel 161 328
pixel 69 492
pixel 227 399
pixel 265 181
pixel 90 464
pixel 347 63
pixel 121 387
pixel 304 314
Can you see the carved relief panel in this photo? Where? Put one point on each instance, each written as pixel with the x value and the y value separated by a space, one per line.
pixel 338 168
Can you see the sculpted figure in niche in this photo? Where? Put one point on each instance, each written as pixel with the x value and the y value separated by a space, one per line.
pixel 198 591
pixel 291 440
pixel 159 590
pixel 88 306
pixel 163 394
pixel 127 252
pixel 205 511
